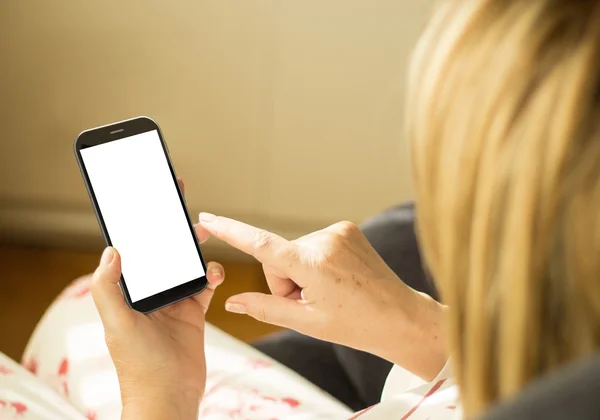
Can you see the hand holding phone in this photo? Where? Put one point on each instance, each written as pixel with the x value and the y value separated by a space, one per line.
pixel 159 358
pixel 142 212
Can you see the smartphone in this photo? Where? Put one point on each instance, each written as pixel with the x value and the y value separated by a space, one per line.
pixel 142 213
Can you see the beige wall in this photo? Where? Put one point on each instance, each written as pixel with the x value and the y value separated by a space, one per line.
pixel 282 113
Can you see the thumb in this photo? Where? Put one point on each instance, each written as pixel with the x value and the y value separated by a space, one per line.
pixel 105 288
pixel 276 310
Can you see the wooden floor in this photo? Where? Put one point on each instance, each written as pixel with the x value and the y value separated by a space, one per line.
pixel 31 278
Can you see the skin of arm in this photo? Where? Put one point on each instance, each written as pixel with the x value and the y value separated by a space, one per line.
pixel 412 336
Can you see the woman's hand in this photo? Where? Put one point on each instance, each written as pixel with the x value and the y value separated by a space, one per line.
pixel 159 357
pixel 332 285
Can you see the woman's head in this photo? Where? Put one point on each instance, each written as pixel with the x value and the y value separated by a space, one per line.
pixel 504 119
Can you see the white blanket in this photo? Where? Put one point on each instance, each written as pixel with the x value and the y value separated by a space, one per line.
pixel 67 374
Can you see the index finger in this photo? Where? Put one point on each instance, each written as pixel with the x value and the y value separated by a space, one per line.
pixel 265 246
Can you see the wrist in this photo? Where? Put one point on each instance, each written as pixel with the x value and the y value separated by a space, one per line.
pixel 157 405
pixel 413 335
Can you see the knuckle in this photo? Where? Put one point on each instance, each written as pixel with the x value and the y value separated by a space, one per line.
pixel 262 239
pixel 286 253
pixel 347 228
pixel 261 315
pixel 316 259
pixel 221 224
pixel 96 282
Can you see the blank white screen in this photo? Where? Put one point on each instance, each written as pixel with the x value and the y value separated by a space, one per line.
pixel 143 214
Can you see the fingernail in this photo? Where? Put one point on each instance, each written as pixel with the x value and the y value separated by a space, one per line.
pixel 107 256
pixel 207 217
pixel 236 308
pixel 216 272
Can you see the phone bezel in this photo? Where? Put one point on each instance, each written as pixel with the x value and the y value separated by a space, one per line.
pixel 117 131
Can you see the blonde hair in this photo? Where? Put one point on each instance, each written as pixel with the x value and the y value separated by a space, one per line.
pixel 504 120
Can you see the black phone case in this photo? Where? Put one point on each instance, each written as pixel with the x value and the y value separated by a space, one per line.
pixel 100 219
